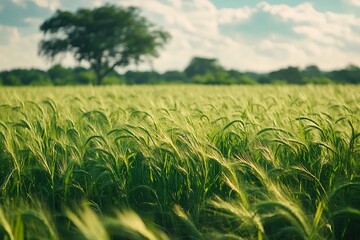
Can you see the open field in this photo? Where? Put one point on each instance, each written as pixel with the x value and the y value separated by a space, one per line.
pixel 180 162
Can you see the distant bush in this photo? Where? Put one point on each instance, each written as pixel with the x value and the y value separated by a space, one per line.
pixel 318 80
pixel 200 71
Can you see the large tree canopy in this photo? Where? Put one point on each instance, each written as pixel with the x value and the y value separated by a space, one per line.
pixel 106 37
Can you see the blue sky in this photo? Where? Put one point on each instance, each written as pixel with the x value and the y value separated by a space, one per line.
pixel 242 34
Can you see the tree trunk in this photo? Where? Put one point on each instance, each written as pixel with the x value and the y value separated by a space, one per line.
pixel 99 78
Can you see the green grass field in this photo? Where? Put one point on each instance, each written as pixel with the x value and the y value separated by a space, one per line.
pixel 180 162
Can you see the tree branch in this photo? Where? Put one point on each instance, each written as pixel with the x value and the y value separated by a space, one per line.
pixel 118 63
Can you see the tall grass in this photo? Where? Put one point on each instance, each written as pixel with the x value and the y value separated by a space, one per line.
pixel 180 162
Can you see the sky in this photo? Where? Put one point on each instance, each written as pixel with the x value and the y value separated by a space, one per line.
pixel 246 35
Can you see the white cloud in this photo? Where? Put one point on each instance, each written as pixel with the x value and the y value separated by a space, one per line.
pixel 196 32
pixel 302 13
pixel 33 21
pixel 353 2
pixel 194 26
pixel 21 51
pixel 19 2
pixel 234 15
pixel 325 27
pixel 50 4
pixel 8 34
pixel 194 16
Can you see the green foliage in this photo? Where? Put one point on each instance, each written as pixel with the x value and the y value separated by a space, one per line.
pixel 113 80
pixel 202 66
pixel 311 71
pixel 12 80
pixel 209 162
pixel 318 80
pixel 247 80
pixel 60 75
pixel 142 77
pixel 349 75
pixel 207 72
pixel 175 76
pixel 84 76
pixel 18 77
pixel 289 75
pixel 105 37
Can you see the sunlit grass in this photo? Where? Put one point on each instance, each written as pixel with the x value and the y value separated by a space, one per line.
pixel 180 162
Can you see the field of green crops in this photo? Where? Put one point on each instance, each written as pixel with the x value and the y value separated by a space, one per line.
pixel 180 162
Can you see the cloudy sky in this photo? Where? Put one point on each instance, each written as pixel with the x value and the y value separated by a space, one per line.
pixel 242 34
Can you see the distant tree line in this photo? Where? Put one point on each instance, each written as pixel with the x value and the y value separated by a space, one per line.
pixel 199 71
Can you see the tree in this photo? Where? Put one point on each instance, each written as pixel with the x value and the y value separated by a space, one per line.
pixel 60 75
pixel 12 80
pixel 311 71
pixel 351 74
pixel 106 37
pixel 142 77
pixel 17 77
pixel 289 75
pixel 83 76
pixel 242 78
pixel 174 76
pixel 202 66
